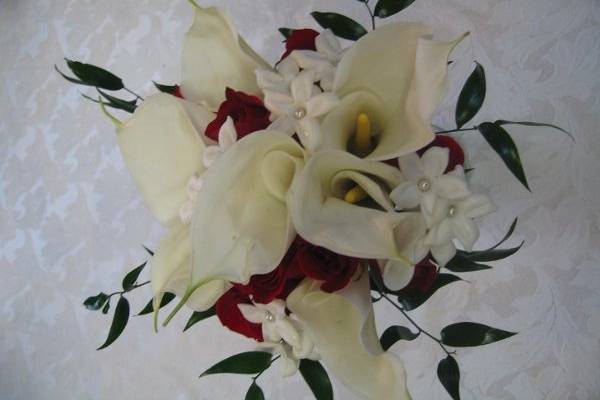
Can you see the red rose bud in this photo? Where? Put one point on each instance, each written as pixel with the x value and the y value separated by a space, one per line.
pixel 300 39
pixel 457 156
pixel 177 92
pixel 318 263
pixel 278 283
pixel 230 315
pixel 423 277
pixel 248 113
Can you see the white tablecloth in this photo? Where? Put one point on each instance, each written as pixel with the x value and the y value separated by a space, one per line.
pixel 72 221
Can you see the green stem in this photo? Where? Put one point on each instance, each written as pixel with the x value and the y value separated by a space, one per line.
pixel 122 292
pixel 135 94
pixel 421 330
pixel 371 14
pixel 458 130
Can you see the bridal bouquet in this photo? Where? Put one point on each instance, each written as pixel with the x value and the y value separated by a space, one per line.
pixel 298 195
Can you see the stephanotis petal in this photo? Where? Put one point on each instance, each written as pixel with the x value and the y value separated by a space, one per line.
pixel 342 326
pixel 322 217
pixel 451 187
pixel 302 86
pixel 214 57
pixel 162 149
pixel 443 253
pixel 321 104
pixel 466 231
pixel 397 274
pixel 405 196
pixel 416 68
pixel 435 161
pixel 240 227
pixel 411 166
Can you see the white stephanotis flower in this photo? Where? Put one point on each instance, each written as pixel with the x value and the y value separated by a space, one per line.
pixel 323 61
pixel 297 110
pixel 279 80
pixel 227 137
pixel 454 220
pixel 426 182
pixel 282 333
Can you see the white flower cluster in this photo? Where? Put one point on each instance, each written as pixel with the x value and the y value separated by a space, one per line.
pixel 300 90
pixel 283 334
pixel 447 205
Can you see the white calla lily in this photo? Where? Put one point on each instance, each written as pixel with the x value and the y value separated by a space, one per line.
pixel 162 148
pixel 241 225
pixel 215 57
pixel 322 217
pixel 342 326
pixel 399 72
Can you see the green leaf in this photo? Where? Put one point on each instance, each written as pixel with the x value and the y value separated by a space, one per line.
pixel 414 298
pixel 251 362
pixel 513 225
pixel 107 104
pixel 125 105
pixel 95 76
pixel 387 8
pixel 468 334
pixel 132 276
pixel 148 250
pixel 254 392
pixel 449 375
pixel 503 144
pixel 119 322
pixel 106 307
pixel 471 97
pixel 491 255
pixel 528 123
pixel 460 263
pixel 170 89
pixel 95 302
pixel 198 316
pixel 70 79
pixel 286 32
pixel 340 25
pixel 395 333
pixel 317 379
pixel 166 299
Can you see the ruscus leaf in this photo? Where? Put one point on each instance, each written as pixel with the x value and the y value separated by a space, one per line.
pixel 395 333
pixel 125 105
pixel 95 302
pixel 414 298
pixel 148 250
pixel 503 144
pixel 286 32
pixel 460 263
pixel 491 255
pixel 469 334
pixel 251 362
pixel 170 89
pixel 471 97
pixel 387 8
pixel 529 123
pixel 340 25
pixel 95 76
pixel 166 299
pixel 119 322
pixel 106 307
pixel 132 276
pixel 254 393
pixel 316 378
pixel 198 316
pixel 449 375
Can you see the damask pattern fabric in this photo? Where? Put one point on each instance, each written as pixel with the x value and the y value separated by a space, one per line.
pixel 72 221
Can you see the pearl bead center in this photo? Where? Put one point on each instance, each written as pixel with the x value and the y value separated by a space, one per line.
pixel 300 113
pixel 424 184
pixel 452 211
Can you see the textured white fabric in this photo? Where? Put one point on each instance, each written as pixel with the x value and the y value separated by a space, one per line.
pixel 72 220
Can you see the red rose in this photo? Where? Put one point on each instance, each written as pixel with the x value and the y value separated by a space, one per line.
pixel 278 283
pixel 177 92
pixel 300 39
pixel 457 156
pixel 318 263
pixel 230 315
pixel 423 277
pixel 248 114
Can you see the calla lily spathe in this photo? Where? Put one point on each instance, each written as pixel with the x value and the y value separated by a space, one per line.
pixel 215 57
pixel 342 326
pixel 396 74
pixel 241 225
